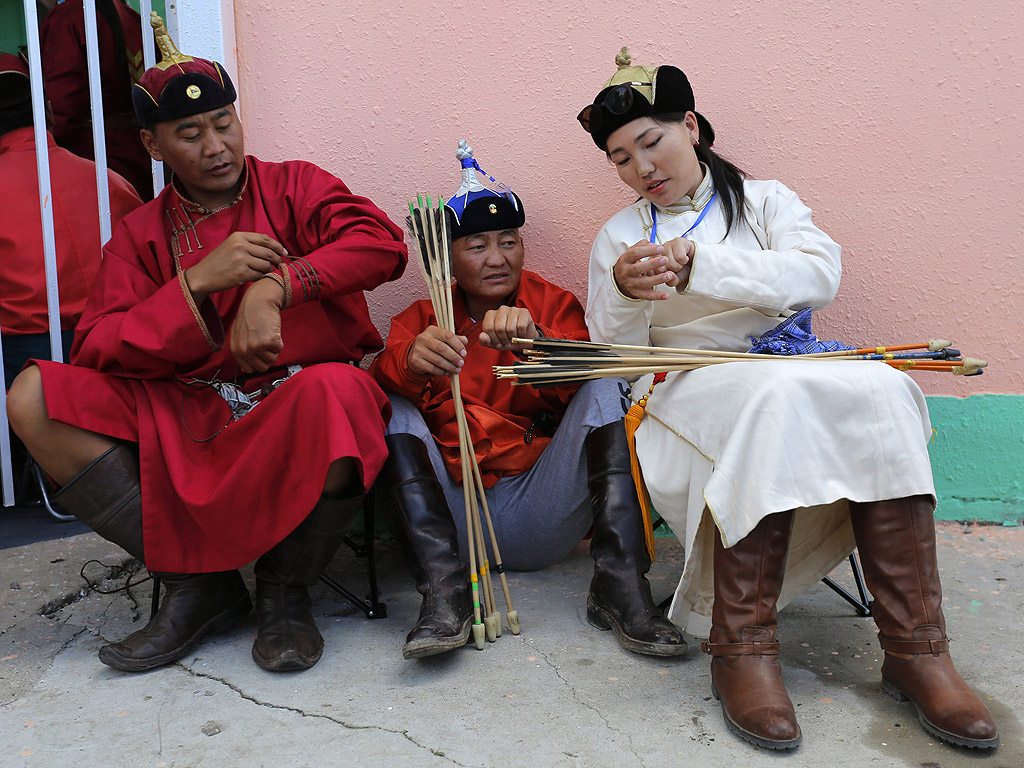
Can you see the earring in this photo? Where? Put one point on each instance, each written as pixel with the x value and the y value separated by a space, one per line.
pixel 696 143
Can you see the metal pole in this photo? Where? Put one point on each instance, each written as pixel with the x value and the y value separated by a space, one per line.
pixel 43 170
pixel 149 59
pixel 49 244
pixel 99 140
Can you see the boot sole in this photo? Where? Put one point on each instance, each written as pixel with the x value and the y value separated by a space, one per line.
pixel 601 619
pixel 960 741
pixel 289 661
pixel 747 736
pixel 421 649
pixel 222 622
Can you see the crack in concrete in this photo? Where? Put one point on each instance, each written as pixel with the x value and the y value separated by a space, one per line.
pixel 587 704
pixel 316 715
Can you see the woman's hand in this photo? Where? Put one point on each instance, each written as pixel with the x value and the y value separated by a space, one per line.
pixel 437 352
pixel 642 268
pixel 679 253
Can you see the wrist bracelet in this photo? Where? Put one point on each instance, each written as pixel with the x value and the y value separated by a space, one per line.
pixel 285 286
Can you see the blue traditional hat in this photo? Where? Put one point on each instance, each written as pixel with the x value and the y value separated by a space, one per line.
pixel 477 208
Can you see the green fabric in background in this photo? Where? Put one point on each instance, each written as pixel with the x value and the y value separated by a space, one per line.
pixel 12 22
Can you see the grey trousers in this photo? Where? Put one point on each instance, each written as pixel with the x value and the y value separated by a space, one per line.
pixel 540 515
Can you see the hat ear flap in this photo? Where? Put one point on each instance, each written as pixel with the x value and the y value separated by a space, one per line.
pixel 672 90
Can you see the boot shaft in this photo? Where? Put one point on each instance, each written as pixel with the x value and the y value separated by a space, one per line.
pixel 748 580
pixel 418 514
pixel 300 558
pixel 107 496
pixel 618 536
pixel 896 541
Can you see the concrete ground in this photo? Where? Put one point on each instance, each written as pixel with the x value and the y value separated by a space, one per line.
pixel 560 694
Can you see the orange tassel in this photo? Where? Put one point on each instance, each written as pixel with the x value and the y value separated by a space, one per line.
pixel 634 416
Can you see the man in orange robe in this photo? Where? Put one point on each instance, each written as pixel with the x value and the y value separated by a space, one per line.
pixel 554 460
pixel 211 415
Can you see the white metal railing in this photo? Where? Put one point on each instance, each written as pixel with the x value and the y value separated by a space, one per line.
pixel 43 173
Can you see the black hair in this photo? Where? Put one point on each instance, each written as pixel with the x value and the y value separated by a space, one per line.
pixel 15 116
pixel 727 178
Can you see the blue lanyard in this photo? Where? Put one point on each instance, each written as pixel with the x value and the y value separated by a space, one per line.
pixel 703 213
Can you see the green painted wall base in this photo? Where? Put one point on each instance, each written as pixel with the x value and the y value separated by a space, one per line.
pixel 978 457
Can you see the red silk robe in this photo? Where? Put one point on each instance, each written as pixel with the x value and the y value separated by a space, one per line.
pixel 66 78
pixel 217 493
pixel 76 232
pixel 499 415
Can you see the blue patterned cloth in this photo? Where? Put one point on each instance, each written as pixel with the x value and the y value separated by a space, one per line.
pixel 793 337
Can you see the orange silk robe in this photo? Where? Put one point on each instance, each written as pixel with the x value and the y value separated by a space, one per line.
pixel 499 415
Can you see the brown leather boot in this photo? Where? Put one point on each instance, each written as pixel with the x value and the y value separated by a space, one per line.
pixel 745 671
pixel 896 540
pixel 620 595
pixel 286 635
pixel 193 605
pixel 107 496
pixel 421 521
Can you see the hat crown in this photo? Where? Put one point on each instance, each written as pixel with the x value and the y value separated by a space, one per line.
pixel 477 206
pixel 640 78
pixel 470 181
pixel 472 188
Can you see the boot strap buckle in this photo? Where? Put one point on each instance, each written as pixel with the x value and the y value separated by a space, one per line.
pixel 755 648
pixel 934 647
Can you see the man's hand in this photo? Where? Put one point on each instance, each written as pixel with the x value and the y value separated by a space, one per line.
pixel 255 339
pixel 437 352
pixel 679 253
pixel 241 258
pixel 638 279
pixel 503 324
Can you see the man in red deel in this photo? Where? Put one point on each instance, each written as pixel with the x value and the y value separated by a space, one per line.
pixel 211 415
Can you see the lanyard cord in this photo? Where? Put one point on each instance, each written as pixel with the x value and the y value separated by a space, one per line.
pixel 703 213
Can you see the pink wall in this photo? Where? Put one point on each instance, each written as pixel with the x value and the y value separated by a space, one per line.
pixel 898 123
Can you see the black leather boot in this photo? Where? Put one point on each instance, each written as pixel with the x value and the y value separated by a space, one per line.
pixel 193 605
pixel 421 521
pixel 107 496
pixel 620 595
pixel 286 635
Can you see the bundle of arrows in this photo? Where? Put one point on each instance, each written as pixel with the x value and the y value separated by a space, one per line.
pixel 430 236
pixel 550 362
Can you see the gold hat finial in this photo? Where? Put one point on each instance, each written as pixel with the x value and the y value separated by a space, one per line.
pixel 639 78
pixel 170 55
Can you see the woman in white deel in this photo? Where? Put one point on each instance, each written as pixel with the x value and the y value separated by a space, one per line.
pixel 764 470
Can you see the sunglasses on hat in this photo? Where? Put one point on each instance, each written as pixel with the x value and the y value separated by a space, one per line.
pixel 617 101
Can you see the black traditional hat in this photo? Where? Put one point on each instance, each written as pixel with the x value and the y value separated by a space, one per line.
pixel 476 208
pixel 179 85
pixel 635 91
